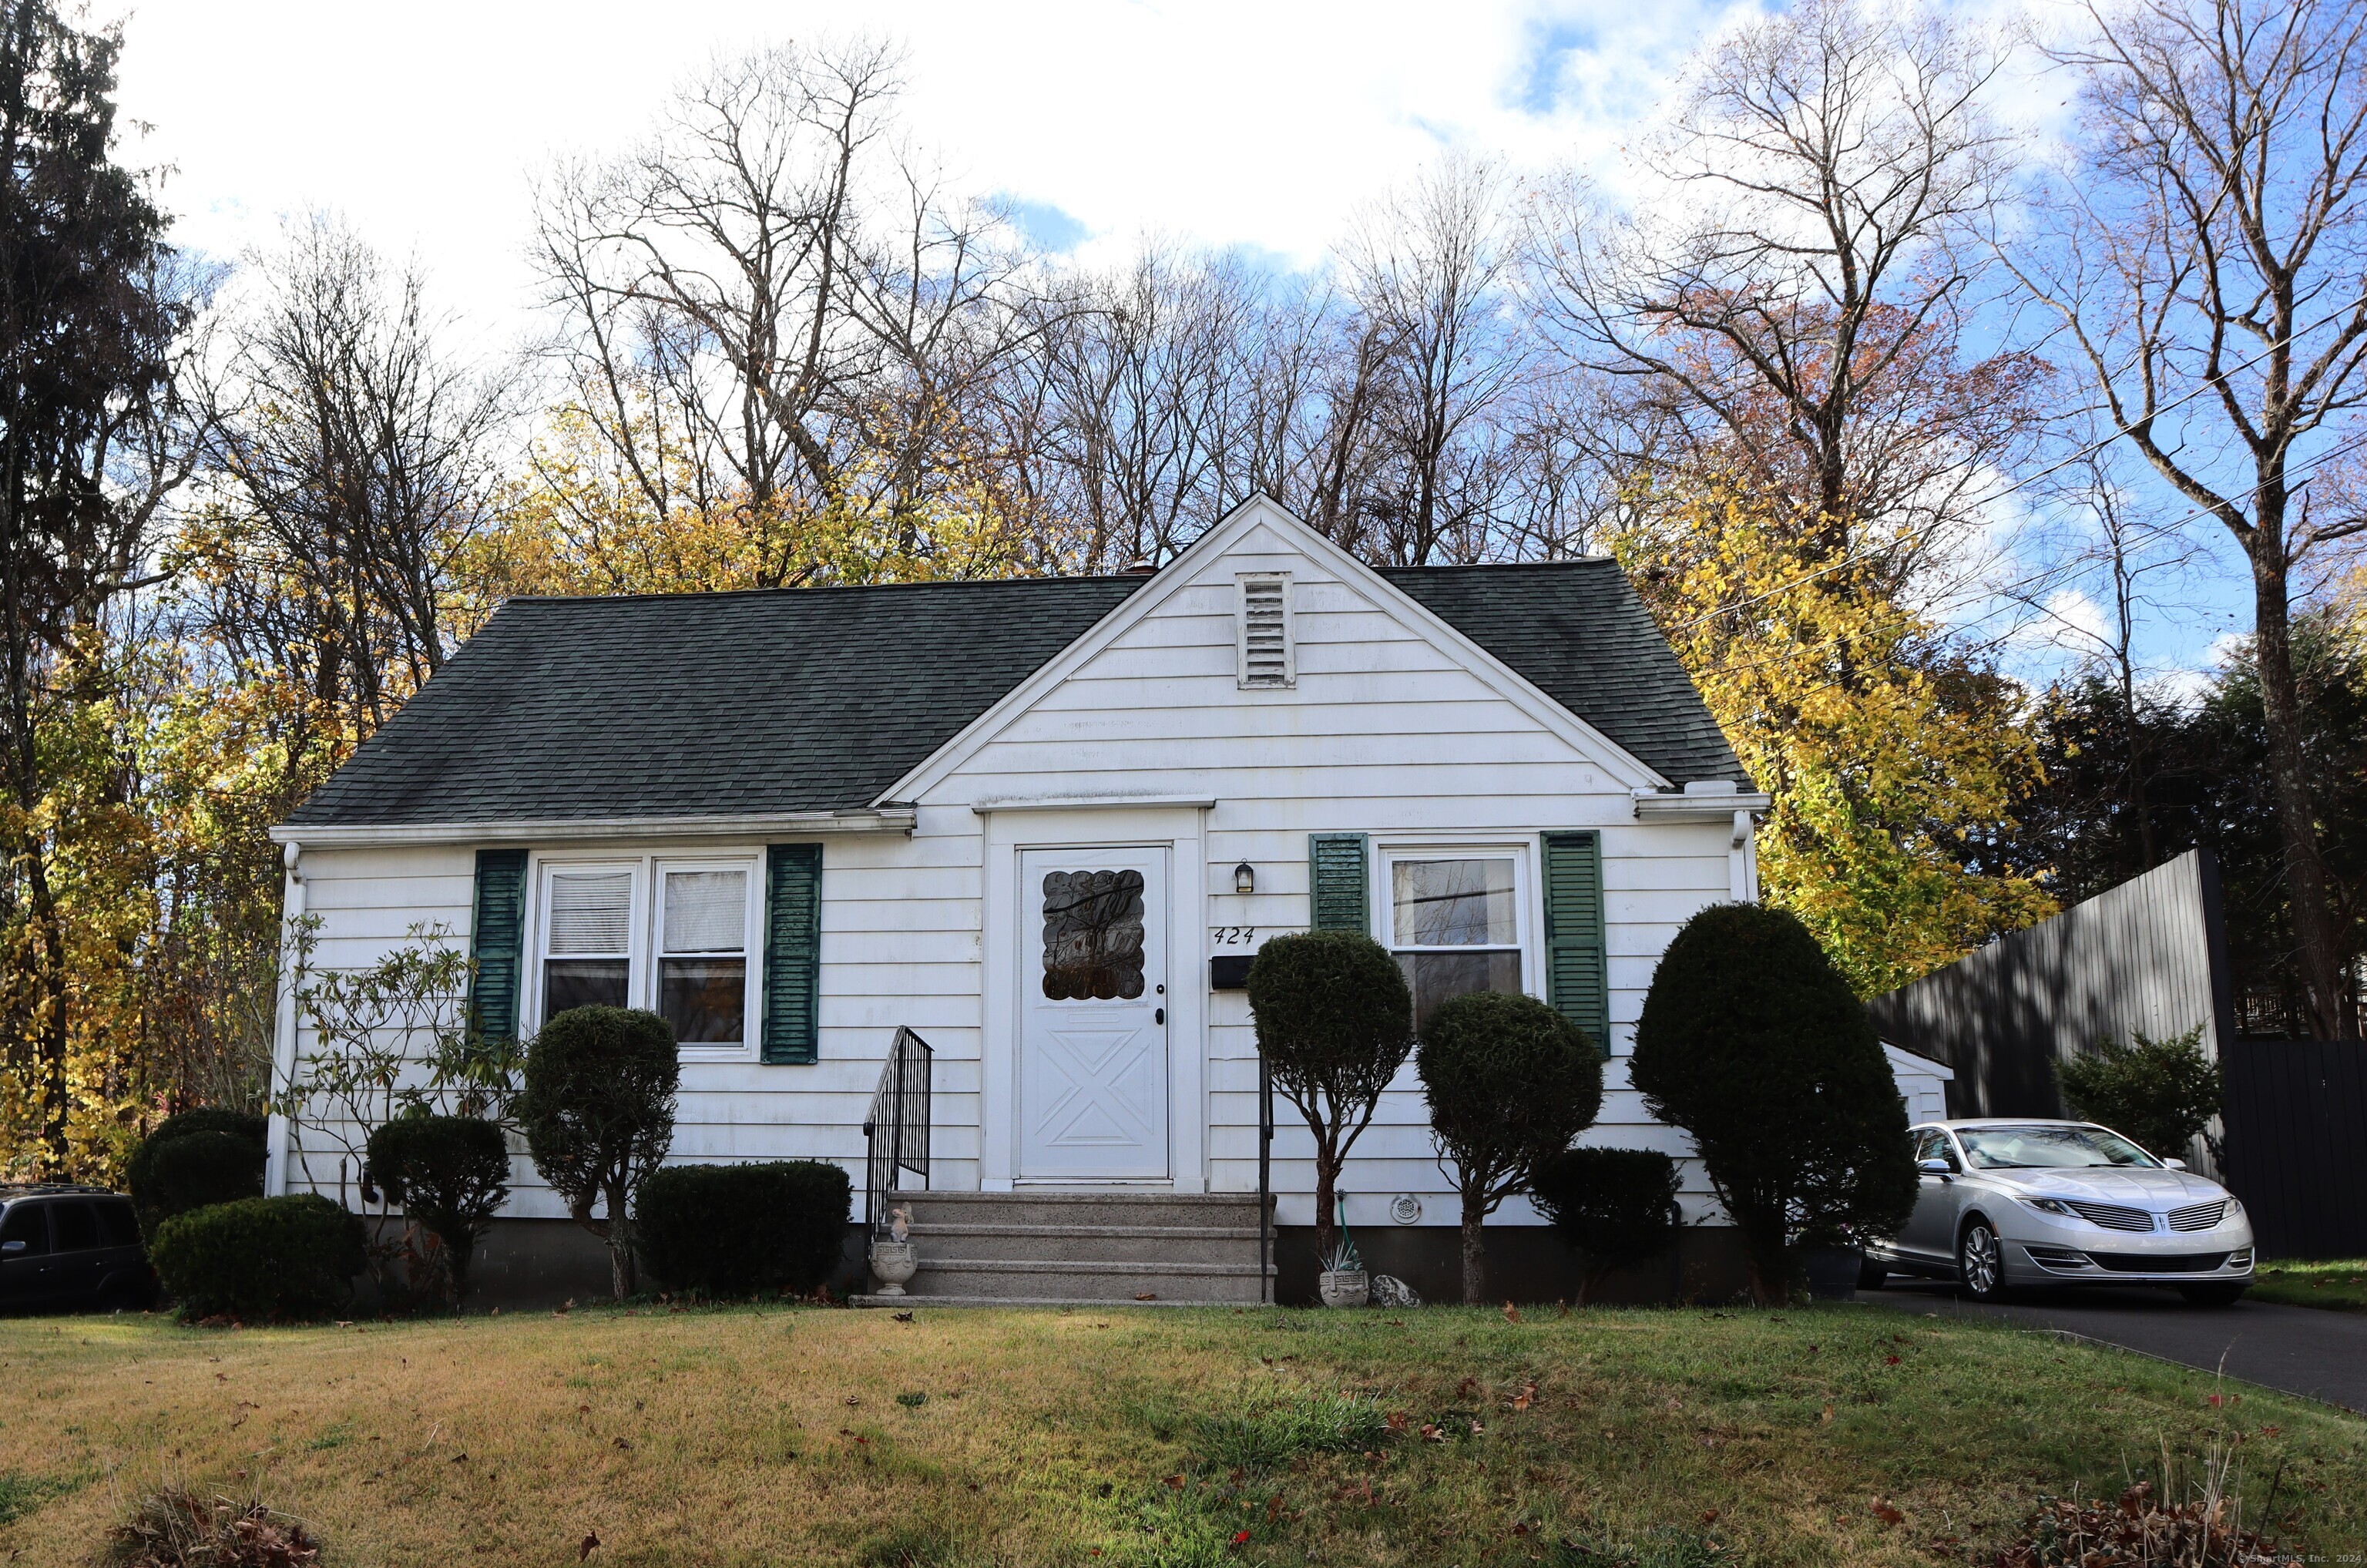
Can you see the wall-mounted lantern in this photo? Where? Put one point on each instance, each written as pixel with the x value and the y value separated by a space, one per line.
pixel 1245 877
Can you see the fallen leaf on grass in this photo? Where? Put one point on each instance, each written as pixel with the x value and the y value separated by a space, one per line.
pixel 1827 1418
pixel 1145 1295
pixel 590 1539
pixel 620 1443
pixel 1397 1420
pixel 1175 1482
pixel 1890 1361
pixel 1526 1397
pixel 1887 1513
pixel 1511 1313
pixel 1709 1515
pixel 903 1317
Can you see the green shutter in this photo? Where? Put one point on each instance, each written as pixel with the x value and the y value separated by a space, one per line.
pixel 792 952
pixel 1336 881
pixel 1575 979
pixel 497 943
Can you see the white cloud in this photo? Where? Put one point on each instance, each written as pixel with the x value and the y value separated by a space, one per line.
pixel 1223 122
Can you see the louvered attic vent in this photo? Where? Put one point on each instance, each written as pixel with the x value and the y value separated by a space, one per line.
pixel 1266 654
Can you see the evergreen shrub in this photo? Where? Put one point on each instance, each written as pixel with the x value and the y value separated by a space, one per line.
pixel 1753 1042
pixel 449 1173
pixel 1614 1208
pixel 2160 1092
pixel 597 1110
pixel 198 1157
pixel 260 1259
pixel 735 1230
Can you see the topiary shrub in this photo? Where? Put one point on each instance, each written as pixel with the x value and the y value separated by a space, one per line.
pixel 1754 1043
pixel 1335 1024
pixel 450 1174
pixel 198 1157
pixel 597 1111
pixel 1615 1208
pixel 260 1258
pixel 1510 1083
pixel 736 1230
pixel 2160 1092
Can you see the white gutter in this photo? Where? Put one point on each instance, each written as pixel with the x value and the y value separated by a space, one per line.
pixel 283 1040
pixel 1698 804
pixel 560 830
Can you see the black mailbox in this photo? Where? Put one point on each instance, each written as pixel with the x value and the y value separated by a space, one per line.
pixel 1228 971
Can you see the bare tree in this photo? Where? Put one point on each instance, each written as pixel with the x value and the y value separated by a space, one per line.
pixel 355 459
pixel 770 304
pixel 1427 268
pixel 2208 258
pixel 1792 286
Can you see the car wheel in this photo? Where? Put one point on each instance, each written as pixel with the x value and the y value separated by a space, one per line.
pixel 1980 1262
pixel 1871 1275
pixel 2213 1295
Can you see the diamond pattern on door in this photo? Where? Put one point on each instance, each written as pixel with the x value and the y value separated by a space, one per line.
pixel 1100 1086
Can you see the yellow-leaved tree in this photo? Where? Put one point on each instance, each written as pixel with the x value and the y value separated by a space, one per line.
pixel 1893 756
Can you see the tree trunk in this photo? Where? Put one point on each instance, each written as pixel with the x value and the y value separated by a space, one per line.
pixel 622 1279
pixel 1475 1260
pixel 1327 1177
pixel 2317 951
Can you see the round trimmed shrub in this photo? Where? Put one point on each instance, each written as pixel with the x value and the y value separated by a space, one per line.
pixel 597 1110
pixel 198 1157
pixel 1615 1208
pixel 449 1173
pixel 736 1230
pixel 1334 1023
pixel 1510 1083
pixel 1753 1042
pixel 260 1259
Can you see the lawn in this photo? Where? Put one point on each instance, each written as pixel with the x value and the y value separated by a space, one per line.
pixel 2341 1285
pixel 1650 1439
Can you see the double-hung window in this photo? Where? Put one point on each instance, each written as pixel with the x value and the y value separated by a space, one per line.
pixel 671 935
pixel 703 954
pixel 1455 924
pixel 588 938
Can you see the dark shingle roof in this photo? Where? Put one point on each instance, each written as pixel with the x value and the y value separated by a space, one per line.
pixel 1575 631
pixel 819 698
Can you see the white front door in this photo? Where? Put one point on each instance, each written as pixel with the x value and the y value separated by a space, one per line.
pixel 1092 1015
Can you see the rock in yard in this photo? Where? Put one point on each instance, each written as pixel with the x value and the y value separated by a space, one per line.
pixel 1388 1291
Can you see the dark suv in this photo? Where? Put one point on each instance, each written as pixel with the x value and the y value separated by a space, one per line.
pixel 71 1249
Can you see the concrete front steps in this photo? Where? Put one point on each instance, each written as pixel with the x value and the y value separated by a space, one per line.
pixel 1037 1247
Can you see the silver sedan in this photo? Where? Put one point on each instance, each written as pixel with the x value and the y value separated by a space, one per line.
pixel 2007 1202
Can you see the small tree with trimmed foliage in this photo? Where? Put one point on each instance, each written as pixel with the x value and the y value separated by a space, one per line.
pixel 1753 1042
pixel 450 1174
pixel 1510 1083
pixel 1615 1208
pixel 1335 1024
pixel 2160 1092
pixel 597 1111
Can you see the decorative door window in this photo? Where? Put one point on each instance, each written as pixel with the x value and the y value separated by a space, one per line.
pixel 1092 936
pixel 1454 926
pixel 587 951
pixel 703 956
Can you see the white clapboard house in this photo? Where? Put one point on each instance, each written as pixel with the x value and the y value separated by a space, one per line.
pixel 1038 826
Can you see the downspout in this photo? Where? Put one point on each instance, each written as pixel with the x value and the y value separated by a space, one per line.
pixel 283 1043
pixel 1742 860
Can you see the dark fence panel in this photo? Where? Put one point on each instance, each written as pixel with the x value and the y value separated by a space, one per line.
pixel 2296 1149
pixel 2148 955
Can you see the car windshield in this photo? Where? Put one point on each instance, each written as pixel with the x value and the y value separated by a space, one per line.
pixel 2058 1148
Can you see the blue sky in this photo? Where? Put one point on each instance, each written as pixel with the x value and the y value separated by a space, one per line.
pixel 1242 123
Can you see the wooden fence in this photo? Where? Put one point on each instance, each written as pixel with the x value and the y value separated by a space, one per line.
pixel 2296 1144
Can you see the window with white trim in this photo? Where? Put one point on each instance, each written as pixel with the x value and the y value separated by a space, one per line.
pixel 673 936
pixel 1267 656
pixel 1455 924
pixel 703 953
pixel 587 933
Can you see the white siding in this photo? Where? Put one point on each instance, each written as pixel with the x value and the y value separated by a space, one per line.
pixel 1389 731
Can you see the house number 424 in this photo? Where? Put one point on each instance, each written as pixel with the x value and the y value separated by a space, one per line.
pixel 1233 936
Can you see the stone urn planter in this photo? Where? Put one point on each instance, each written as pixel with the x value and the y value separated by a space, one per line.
pixel 1833 1272
pixel 892 1263
pixel 1344 1286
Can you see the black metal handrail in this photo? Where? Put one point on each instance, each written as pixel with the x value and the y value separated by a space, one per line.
pixel 896 1131
pixel 1266 1177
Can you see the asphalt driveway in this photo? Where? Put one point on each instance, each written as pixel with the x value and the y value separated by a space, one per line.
pixel 2304 1351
